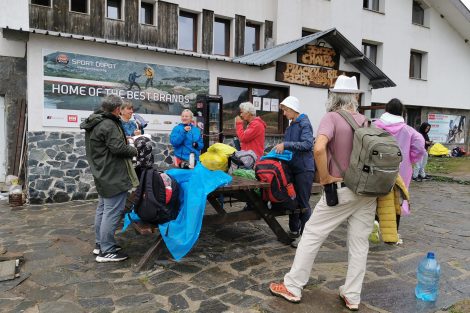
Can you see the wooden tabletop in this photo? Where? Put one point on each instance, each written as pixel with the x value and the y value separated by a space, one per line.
pixel 241 183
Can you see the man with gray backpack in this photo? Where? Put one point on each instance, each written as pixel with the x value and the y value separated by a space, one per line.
pixel 356 162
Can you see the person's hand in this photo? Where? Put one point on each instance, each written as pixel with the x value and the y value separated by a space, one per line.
pixel 137 132
pixel 187 128
pixel 279 148
pixel 238 119
pixel 329 179
pixel 195 145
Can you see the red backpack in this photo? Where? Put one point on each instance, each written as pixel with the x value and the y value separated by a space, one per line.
pixel 277 174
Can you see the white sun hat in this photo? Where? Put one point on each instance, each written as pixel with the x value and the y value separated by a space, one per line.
pixel 292 103
pixel 345 84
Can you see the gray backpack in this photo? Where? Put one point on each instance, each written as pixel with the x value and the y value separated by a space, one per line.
pixel 375 159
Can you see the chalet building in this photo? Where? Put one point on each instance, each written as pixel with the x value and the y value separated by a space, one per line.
pixel 58 58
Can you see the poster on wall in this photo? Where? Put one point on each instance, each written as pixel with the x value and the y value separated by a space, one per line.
pixel 75 84
pixel 447 128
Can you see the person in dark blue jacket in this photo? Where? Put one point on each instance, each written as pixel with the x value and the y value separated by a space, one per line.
pixel 186 138
pixel 298 138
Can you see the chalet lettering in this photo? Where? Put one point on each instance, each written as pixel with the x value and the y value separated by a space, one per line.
pixel 318 55
pixel 318 77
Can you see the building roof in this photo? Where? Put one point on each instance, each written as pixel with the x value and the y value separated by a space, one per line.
pixel 352 55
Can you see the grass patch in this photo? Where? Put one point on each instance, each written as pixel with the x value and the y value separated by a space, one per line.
pixel 446 165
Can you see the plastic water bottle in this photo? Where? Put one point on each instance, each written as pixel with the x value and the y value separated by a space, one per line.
pixel 428 274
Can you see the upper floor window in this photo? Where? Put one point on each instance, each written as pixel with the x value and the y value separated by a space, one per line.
pixel 418 64
pixel 221 36
pixel 370 51
pixel 114 9
pixel 80 6
pixel 418 13
pixel 252 32
pixel 187 31
pixel 373 5
pixel 306 32
pixel 46 3
pixel 146 13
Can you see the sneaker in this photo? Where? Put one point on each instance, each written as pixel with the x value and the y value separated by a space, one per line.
pixel 349 305
pixel 400 241
pixel 111 257
pixel 280 290
pixel 427 177
pixel 295 243
pixel 293 234
pixel 374 237
pixel 418 179
pixel 97 249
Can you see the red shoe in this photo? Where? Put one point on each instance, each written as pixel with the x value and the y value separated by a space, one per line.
pixel 280 290
pixel 349 305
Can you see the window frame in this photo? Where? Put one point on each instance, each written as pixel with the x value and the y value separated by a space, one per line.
pixel 366 44
pixel 194 17
pixel 369 5
pixel 414 53
pixel 257 28
pixel 414 5
pixel 227 29
pixel 42 5
pixel 120 10
pixel 152 15
pixel 78 12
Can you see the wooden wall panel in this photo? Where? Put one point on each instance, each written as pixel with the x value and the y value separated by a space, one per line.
pixel 40 17
pixel 97 18
pixel 207 31
pixel 148 35
pixel 79 24
pixel 131 20
pixel 60 9
pixel 167 25
pixel 240 23
pixel 114 30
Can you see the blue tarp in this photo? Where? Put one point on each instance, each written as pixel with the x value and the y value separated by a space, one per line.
pixel 182 233
pixel 285 156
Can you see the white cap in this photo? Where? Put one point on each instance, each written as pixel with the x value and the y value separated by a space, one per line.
pixel 345 84
pixel 292 103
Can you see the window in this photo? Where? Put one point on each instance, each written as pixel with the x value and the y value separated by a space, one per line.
pixel 416 62
pixel 370 51
pixel 234 93
pixel 114 9
pixel 221 36
pixel 80 6
pixel 46 3
pixel 306 32
pixel 371 5
pixel 251 38
pixel 418 13
pixel 146 13
pixel 187 31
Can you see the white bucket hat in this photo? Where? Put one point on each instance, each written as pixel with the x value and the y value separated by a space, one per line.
pixel 345 84
pixel 292 103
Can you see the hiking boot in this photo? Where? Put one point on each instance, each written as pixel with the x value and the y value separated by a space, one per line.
pixel 111 257
pixel 374 237
pixel 97 249
pixel 295 242
pixel 293 234
pixel 280 290
pixel 347 303
pixel 427 177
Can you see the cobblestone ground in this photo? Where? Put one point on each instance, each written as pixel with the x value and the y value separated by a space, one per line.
pixel 230 267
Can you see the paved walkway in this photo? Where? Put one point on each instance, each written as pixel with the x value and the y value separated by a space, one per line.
pixel 231 266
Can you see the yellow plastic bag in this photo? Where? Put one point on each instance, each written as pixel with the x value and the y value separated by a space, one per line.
pixel 214 161
pixel 222 149
pixel 439 150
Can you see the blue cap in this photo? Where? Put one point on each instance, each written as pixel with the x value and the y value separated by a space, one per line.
pixel 431 255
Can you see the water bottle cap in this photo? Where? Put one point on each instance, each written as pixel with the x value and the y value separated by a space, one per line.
pixel 431 255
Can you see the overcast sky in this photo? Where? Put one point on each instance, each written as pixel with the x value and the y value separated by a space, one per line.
pixel 467 3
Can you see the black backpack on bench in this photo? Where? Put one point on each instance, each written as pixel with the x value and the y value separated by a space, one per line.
pixel 150 198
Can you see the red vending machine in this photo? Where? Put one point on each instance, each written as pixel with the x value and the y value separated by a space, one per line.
pixel 209 110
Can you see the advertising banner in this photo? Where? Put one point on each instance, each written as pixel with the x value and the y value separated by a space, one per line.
pixel 447 128
pixel 75 84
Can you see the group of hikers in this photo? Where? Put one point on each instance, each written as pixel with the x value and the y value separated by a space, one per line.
pixel 109 156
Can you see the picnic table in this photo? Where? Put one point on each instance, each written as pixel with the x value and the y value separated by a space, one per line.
pixel 239 190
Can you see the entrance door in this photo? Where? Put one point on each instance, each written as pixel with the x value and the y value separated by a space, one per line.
pixel 3 141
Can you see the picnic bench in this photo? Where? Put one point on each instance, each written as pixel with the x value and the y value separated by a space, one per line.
pixel 239 190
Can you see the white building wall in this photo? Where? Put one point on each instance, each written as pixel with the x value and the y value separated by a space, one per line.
pixel 14 14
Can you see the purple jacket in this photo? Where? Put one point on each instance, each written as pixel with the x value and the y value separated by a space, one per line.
pixel 410 141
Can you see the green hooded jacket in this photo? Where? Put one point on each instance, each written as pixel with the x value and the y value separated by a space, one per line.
pixel 108 154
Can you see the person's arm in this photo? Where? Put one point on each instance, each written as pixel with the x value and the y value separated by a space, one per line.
pixel 252 131
pixel 200 141
pixel 177 136
pixel 321 161
pixel 305 142
pixel 116 144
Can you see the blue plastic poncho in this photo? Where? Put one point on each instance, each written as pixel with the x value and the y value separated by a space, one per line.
pixel 286 155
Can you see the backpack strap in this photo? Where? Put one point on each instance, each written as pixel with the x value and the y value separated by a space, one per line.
pixel 138 196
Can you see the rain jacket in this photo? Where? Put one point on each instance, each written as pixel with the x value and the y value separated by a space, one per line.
pixel 108 154
pixel 252 138
pixel 299 139
pixel 424 133
pixel 183 141
pixel 411 142
pixel 388 207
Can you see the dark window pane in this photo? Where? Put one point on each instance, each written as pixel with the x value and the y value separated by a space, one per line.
pixel 146 13
pixel 221 37
pixel 251 38
pixel 187 31
pixel 79 6
pixel 371 4
pixel 307 32
pixel 114 9
pixel 418 14
pixel 370 51
pixel 415 65
pixel 46 3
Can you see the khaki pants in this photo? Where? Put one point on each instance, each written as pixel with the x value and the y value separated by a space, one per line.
pixel 359 211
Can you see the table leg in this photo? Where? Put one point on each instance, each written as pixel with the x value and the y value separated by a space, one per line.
pixel 216 204
pixel 152 252
pixel 270 219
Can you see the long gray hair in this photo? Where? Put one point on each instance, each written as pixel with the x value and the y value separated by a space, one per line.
pixel 341 101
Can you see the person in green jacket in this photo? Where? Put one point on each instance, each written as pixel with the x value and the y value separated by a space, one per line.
pixel 110 160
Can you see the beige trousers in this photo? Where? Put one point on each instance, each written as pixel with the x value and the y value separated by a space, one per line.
pixel 359 211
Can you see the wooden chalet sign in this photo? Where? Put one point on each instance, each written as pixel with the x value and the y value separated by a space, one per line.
pixel 318 55
pixel 311 76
